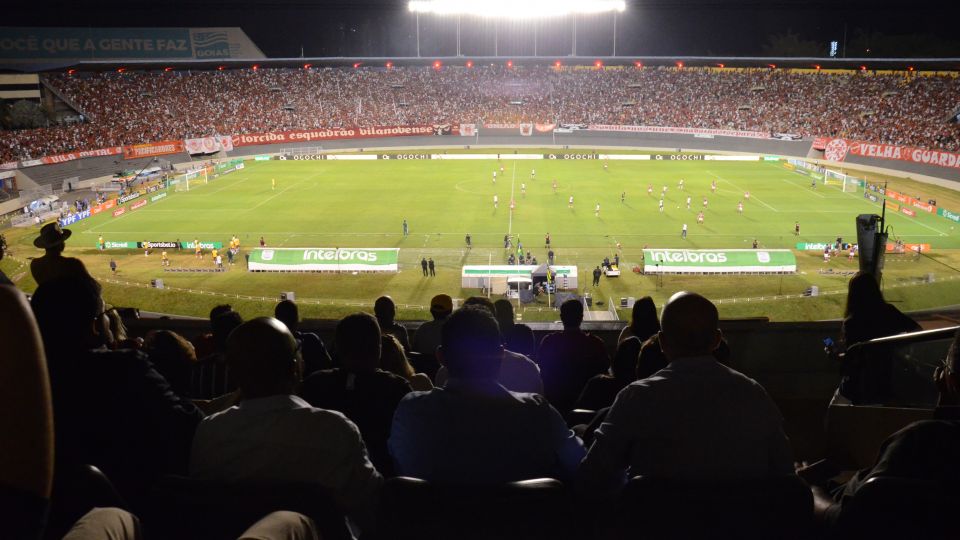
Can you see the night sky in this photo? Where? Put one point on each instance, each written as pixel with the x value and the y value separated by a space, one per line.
pixel 880 28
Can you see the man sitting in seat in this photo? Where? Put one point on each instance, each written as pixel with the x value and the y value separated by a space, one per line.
pixel 274 436
pixel 367 395
pixel 696 418
pixel 473 430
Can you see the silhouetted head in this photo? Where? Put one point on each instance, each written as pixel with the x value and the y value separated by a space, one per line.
pixel 385 310
pixel 288 313
pixel 222 325
pixel 392 357
pixel 219 310
pixel 481 301
pixel 503 311
pixel 624 365
pixel 643 318
pixel 571 314
pixel 173 356
pixel 470 344
pixel 441 306
pixel 689 326
pixel 357 341
pixel 863 295
pixel 263 358
pixel 70 314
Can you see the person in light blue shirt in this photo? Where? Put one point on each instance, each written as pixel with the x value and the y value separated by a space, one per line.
pixel 473 430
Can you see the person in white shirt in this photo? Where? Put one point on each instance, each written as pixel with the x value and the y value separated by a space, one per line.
pixel 696 418
pixel 272 435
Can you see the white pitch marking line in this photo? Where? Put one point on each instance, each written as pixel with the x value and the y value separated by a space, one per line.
pixel 742 190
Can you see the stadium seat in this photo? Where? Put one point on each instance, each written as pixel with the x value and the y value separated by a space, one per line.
pixel 888 507
pixel 529 510
pixel 77 489
pixel 767 508
pixel 185 509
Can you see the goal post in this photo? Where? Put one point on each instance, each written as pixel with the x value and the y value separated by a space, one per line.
pixel 189 179
pixel 846 183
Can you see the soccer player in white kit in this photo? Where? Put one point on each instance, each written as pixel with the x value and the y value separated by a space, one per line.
pixel 596 210
pixel 704 202
pixel 570 202
pixel 523 190
pixel 496 201
pixel 680 187
pixel 688 202
pixel 740 207
pixel 494 177
pixel 746 195
pixel 661 204
pixel 533 173
pixel 683 232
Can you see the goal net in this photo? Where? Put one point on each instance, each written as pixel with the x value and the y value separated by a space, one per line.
pixel 845 182
pixel 189 180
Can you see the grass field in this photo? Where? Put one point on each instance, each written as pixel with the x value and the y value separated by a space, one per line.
pixel 362 204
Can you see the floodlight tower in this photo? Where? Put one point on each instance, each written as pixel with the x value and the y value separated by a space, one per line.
pixel 528 10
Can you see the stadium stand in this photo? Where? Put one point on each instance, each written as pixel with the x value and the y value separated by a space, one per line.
pixel 136 107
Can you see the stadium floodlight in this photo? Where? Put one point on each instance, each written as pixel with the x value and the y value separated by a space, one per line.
pixel 511 9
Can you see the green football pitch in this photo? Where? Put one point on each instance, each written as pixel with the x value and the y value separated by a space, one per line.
pixel 362 204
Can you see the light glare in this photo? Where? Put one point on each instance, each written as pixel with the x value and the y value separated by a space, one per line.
pixel 510 9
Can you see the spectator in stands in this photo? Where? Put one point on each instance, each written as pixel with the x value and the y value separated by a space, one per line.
pixel 119 338
pixel 601 390
pixel 4 280
pixel 360 390
pixel 204 343
pixel 516 337
pixel 924 450
pixel 517 372
pixel 427 338
pixel 53 265
pixel 694 419
pixel 315 355
pixel 868 316
pixel 393 360
pixel 643 321
pixel 173 356
pixel 473 430
pixel 26 421
pixel 652 358
pixel 112 408
pixel 386 311
pixel 118 524
pixel 213 378
pixel 569 358
pixel 274 436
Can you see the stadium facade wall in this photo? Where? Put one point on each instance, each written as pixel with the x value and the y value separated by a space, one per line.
pixel 104 166
pixel 653 141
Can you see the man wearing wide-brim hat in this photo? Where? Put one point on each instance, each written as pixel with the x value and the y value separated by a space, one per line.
pixel 53 264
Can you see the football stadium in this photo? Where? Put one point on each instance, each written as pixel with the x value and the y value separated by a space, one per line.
pixel 726 281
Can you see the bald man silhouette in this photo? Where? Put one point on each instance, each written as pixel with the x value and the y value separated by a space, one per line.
pixel 274 436
pixel 696 418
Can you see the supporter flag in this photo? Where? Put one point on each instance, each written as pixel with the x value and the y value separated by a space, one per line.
pixel 526 130
pixel 468 130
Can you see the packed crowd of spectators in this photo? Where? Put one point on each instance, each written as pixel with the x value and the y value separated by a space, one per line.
pixel 139 107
